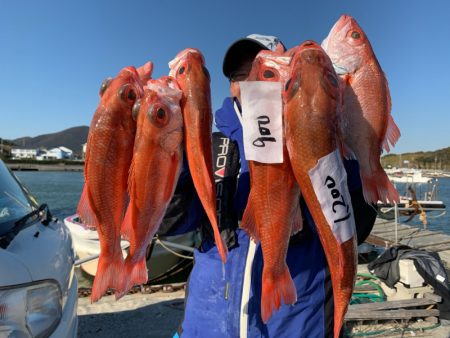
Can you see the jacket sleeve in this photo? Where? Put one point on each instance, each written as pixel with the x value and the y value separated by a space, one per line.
pixel 225 170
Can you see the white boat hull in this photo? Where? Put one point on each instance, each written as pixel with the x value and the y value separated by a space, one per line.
pixel 87 244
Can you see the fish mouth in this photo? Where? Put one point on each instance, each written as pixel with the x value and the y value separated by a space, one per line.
pixel 313 55
pixel 183 56
pixel 342 22
pixel 310 44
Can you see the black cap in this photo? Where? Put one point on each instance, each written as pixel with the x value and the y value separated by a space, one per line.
pixel 247 48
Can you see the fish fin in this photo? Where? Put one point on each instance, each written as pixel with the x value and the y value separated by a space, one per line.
pixel 132 274
pixel 297 223
pixel 392 134
pixel 276 290
pixel 126 199
pixel 130 178
pixel 126 229
pixel 378 187
pixel 346 152
pixel 85 211
pixel 248 222
pixel 108 269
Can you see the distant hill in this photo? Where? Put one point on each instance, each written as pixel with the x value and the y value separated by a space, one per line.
pixel 438 159
pixel 72 138
pixel 5 148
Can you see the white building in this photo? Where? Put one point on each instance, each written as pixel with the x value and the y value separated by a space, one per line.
pixel 59 153
pixel 20 153
pixel 84 150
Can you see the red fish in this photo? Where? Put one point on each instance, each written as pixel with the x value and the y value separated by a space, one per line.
pixel 313 97
pixel 108 158
pixel 154 172
pixel 188 68
pixel 273 213
pixel 366 123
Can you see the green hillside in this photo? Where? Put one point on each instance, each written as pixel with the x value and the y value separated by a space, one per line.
pixel 438 159
pixel 72 138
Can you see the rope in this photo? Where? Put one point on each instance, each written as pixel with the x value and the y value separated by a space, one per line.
pixel 172 251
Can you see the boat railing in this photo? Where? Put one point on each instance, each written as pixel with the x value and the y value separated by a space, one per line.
pixel 165 244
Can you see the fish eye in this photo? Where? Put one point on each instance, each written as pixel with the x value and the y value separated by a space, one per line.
pixel 181 70
pixel 287 84
pixel 295 85
pixel 104 85
pixel 206 72
pixel 332 80
pixel 356 35
pixel 268 74
pixel 160 114
pixel 127 93
pixel 135 110
pixel 331 85
pixel 159 117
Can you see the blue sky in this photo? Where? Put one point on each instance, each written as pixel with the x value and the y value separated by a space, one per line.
pixel 55 54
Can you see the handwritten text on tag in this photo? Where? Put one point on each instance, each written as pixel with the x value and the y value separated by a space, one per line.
pixel 262 121
pixel 329 180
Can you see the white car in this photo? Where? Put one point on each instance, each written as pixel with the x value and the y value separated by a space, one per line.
pixel 38 287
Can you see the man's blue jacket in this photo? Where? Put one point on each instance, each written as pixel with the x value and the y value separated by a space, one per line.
pixel 217 303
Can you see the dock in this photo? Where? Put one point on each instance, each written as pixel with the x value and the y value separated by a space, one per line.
pixel 411 306
pixel 385 234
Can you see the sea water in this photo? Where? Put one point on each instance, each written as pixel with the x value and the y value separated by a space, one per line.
pixel 62 191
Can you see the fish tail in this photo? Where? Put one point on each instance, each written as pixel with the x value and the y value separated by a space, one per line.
pixel 133 273
pixel 377 187
pixel 84 209
pixel 276 289
pixel 107 270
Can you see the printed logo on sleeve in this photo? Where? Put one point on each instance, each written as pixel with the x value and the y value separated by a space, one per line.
pixel 262 121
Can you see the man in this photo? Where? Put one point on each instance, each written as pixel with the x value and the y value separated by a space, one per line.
pixel 224 300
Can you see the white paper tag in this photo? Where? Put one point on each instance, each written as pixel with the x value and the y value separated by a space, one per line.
pixel 262 122
pixel 329 180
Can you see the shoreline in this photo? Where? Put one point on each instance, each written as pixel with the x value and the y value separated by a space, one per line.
pixel 45 167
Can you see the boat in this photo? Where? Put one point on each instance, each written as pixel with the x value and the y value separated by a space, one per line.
pixel 435 174
pixel 166 255
pixel 410 205
pixel 406 175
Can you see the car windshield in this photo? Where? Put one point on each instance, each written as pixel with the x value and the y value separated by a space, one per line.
pixel 15 201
